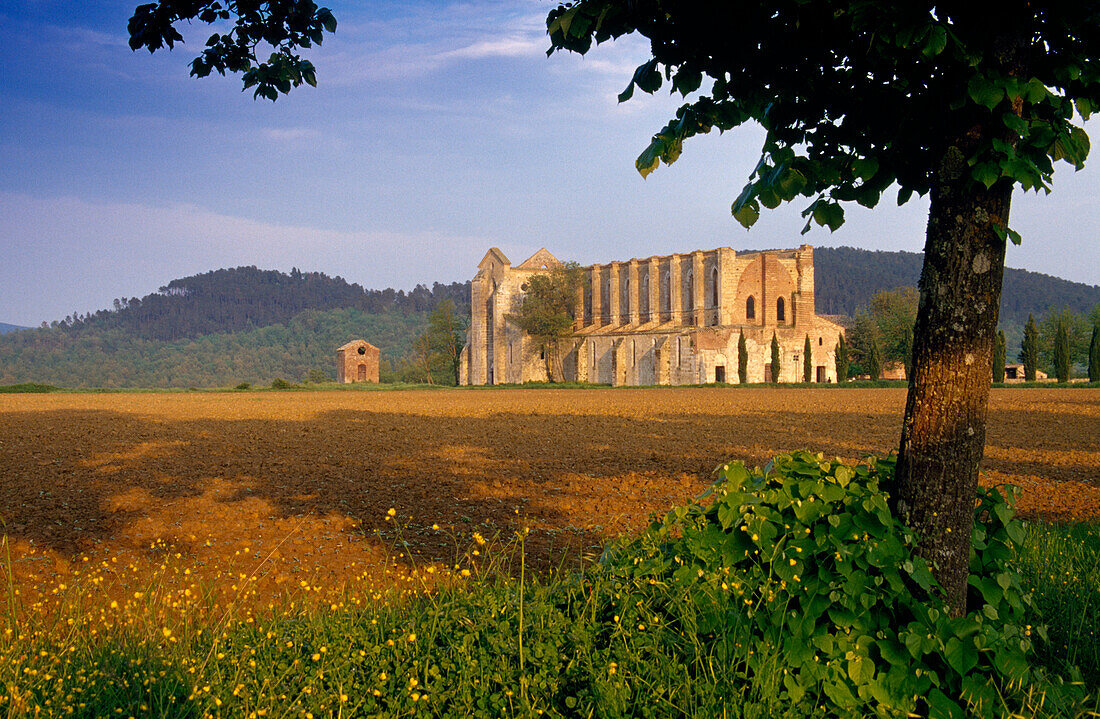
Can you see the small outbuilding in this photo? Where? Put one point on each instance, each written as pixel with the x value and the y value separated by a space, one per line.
pixel 357 361
pixel 1016 373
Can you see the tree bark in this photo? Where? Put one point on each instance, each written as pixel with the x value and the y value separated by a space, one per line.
pixel 943 433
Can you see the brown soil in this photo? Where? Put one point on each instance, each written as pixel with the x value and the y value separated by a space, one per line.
pixel 295 486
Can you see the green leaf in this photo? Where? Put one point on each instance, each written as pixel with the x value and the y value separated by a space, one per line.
pixel 829 214
pixel 986 173
pixel 650 158
pixel 961 655
pixel 824 642
pixel 747 214
pixel 861 670
pixel 941 707
pixel 792 183
pixel 1084 107
pixel 1015 123
pixel 647 77
pixel 737 475
pixel 1036 90
pixel 937 41
pixel 864 167
pixel 794 689
pixel 840 694
pixel 893 652
pixel 984 92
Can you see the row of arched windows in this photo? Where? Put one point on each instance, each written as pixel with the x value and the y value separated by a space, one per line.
pixel 780 309
pixel 664 295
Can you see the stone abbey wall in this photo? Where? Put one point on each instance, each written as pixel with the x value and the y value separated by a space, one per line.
pixel 673 319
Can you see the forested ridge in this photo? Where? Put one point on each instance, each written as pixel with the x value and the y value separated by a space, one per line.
pixel 846 278
pixel 242 298
pixel 244 324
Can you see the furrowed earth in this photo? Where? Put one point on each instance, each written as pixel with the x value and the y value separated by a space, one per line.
pixel 265 494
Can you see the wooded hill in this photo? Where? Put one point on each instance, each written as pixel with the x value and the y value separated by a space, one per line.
pixel 244 324
pixel 846 279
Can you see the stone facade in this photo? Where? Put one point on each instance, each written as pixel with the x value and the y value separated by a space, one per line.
pixel 357 361
pixel 673 320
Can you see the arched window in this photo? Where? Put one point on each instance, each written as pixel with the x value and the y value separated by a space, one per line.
pixel 750 308
pixel 666 295
pixel 643 298
pixel 780 311
pixel 689 291
pixel 714 287
pixel 625 299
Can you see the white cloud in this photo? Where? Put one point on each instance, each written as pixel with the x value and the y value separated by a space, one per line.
pixel 290 134
pixel 503 47
pixel 379 50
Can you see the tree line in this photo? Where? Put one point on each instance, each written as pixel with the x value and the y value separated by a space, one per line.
pixel 302 349
pixel 1063 343
pixel 243 298
pixel 846 279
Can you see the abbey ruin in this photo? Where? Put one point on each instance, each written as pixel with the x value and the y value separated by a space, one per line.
pixel 673 320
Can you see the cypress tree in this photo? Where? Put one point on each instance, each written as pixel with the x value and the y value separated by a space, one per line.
pixel 841 360
pixel 874 360
pixel 1094 355
pixel 1061 349
pixel 1029 353
pixel 775 359
pixel 742 360
pixel 808 362
pixel 999 358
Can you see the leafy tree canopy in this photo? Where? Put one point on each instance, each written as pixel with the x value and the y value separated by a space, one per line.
pixel 1077 330
pixel 546 310
pixel 856 95
pixel 284 26
pixel 887 321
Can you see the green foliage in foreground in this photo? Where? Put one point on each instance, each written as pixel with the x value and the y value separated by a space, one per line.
pixel 1061 566
pixel 791 592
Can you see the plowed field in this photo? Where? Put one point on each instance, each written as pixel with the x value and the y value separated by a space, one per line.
pixel 292 487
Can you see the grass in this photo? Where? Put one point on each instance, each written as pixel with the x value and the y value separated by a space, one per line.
pixel 478 638
pixel 1062 565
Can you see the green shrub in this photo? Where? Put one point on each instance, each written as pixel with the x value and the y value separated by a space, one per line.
pixel 26 387
pixel 243 385
pixel 280 383
pixel 805 558
pixel 317 376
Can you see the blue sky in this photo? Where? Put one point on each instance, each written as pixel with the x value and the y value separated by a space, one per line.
pixel 437 130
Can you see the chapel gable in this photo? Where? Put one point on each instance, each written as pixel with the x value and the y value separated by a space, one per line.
pixel 541 260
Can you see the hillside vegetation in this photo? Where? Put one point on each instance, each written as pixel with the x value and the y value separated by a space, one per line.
pixel 846 278
pixel 244 324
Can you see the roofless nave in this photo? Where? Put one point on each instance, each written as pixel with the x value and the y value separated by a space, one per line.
pixel 674 320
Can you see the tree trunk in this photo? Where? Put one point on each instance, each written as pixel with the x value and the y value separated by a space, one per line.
pixel 548 360
pixel 943 434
